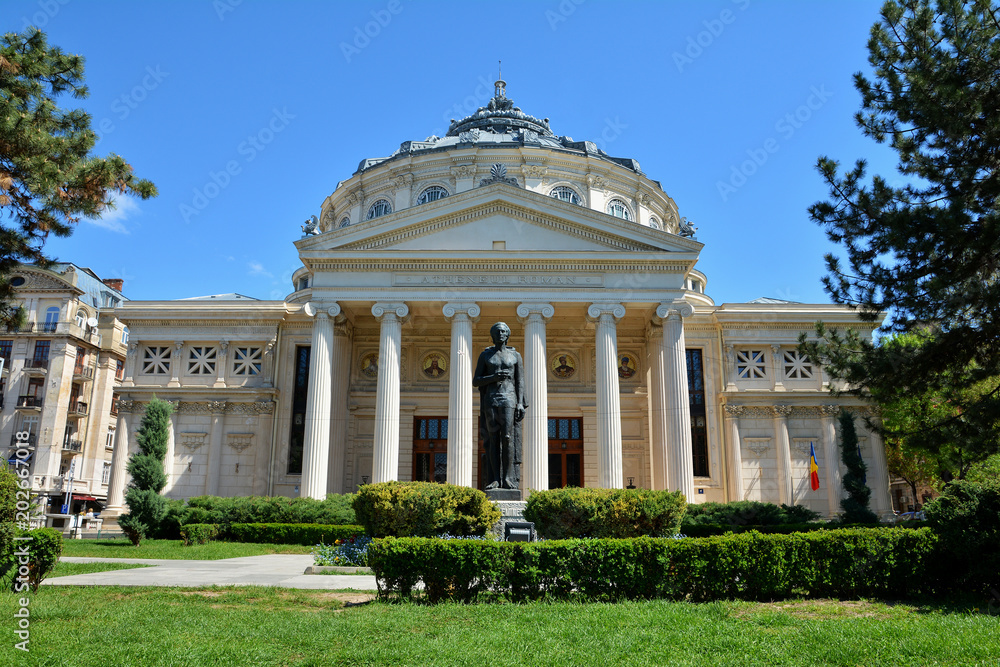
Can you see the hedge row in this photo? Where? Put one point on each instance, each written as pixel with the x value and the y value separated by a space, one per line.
pixel 423 509
pixel 560 514
pixel 306 534
pixel 850 563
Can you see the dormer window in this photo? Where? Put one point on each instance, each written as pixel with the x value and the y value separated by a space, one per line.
pixel 345 221
pixel 379 208
pixel 432 193
pixel 655 224
pixel 565 194
pixel 619 209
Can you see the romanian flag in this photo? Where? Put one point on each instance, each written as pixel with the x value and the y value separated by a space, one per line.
pixel 813 468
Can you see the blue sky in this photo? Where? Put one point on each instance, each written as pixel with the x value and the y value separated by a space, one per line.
pixel 246 115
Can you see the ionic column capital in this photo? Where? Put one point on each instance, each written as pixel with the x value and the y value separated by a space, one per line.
pixel 674 310
pixel 455 310
pixel 394 310
pixel 598 311
pixel 535 311
pixel 321 310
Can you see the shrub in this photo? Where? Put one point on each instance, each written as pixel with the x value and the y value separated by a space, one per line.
pixel 306 534
pixel 198 533
pixel 9 486
pixel 335 509
pixel 746 513
pixel 966 517
pixel 871 562
pixel 423 509
pixel 574 512
pixel 43 547
pixel 855 505
pixel 146 507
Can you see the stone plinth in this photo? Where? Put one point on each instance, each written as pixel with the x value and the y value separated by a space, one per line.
pixel 510 511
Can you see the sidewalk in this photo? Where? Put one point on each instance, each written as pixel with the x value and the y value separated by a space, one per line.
pixel 282 570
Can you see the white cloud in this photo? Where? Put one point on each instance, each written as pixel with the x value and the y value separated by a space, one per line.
pixel 257 269
pixel 113 219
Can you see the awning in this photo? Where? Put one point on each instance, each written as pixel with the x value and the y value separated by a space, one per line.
pixel 76 497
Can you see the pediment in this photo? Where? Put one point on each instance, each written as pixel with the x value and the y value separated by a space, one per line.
pixel 35 280
pixel 519 220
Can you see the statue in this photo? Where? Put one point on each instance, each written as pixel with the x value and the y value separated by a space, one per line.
pixel 687 228
pixel 500 378
pixel 311 227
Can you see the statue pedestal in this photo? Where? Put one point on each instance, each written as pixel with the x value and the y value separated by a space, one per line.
pixel 501 495
pixel 511 511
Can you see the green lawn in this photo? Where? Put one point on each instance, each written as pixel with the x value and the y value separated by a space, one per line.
pixel 266 626
pixel 67 569
pixel 174 549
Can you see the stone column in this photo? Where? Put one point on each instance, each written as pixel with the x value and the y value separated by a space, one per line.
pixel 461 427
pixel 878 476
pixel 218 409
pixel 119 458
pixel 341 379
pixel 316 445
pixel 609 414
pixel 680 460
pixel 385 457
pixel 168 459
pixel 781 413
pixel 735 480
pixel 657 407
pixel 831 458
pixel 535 433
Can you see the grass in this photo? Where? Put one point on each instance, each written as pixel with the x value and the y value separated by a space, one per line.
pixel 63 569
pixel 268 626
pixel 174 549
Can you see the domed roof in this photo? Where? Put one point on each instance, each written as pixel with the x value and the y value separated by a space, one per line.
pixel 500 116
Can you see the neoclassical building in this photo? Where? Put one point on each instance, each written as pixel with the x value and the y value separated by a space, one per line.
pixel 634 375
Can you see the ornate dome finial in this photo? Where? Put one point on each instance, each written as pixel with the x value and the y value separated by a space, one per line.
pixel 500 87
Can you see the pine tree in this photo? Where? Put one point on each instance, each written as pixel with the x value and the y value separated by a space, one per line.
pixel 924 253
pixel 147 507
pixel 48 178
pixel 855 505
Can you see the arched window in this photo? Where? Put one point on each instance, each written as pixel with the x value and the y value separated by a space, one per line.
pixel 619 209
pixel 125 335
pixel 51 319
pixel 81 318
pixel 565 194
pixel 432 193
pixel 655 224
pixel 379 208
pixel 345 221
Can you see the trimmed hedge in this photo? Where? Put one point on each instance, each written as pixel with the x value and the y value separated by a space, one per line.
pixel 614 513
pixel 43 550
pixel 847 563
pixel 966 517
pixel 746 513
pixel 707 530
pixel 423 509
pixel 199 533
pixel 306 534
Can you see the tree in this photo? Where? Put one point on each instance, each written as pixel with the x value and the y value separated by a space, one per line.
pixel 924 254
pixel 146 507
pixel 48 178
pixel 855 505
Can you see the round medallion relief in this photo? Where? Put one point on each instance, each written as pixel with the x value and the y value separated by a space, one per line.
pixel 563 365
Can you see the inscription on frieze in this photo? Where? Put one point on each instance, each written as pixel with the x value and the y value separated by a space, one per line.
pixel 499 279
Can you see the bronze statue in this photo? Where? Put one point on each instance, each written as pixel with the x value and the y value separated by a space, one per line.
pixel 500 378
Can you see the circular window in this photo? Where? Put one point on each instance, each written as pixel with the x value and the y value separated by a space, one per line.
pixel 345 221
pixel 379 208
pixel 565 194
pixel 432 193
pixel 17 281
pixel 619 209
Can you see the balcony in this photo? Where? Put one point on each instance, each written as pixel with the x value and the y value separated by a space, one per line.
pixel 36 366
pixel 83 373
pixel 78 409
pixel 72 446
pixel 29 443
pixel 27 327
pixel 30 403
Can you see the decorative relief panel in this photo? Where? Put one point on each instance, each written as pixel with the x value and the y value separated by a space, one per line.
pixel 563 365
pixel 759 446
pixel 239 441
pixel 191 440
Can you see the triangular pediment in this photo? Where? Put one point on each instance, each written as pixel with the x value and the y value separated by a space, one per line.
pixel 498 217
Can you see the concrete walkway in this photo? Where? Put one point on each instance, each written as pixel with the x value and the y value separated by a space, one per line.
pixel 282 570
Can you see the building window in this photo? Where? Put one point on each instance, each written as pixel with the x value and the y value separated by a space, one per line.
pixel 565 452
pixel 379 208
pixel 5 350
pixel 109 442
pixel 797 366
pixel 562 193
pixel 302 284
pixel 125 333
pixel 201 361
pixel 345 221
pixel 432 193
pixel 119 369
pixel 41 355
pixel 619 209
pixel 16 281
pixel 81 318
pixel 156 360
pixel 247 361
pixel 430 449
pixel 300 397
pixel 699 425
pixel 751 364
pixel 51 320
pixel 655 224
pixel 106 473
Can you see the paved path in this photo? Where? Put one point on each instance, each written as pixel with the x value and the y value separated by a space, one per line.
pixel 282 570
